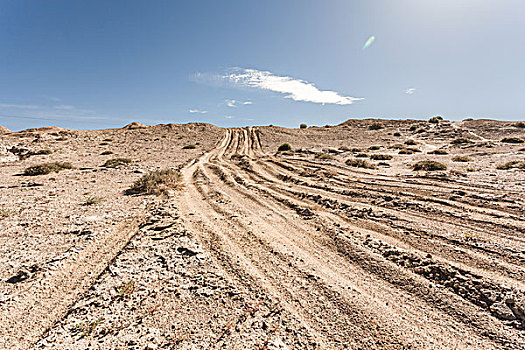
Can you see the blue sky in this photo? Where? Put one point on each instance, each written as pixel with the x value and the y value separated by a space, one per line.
pixel 99 64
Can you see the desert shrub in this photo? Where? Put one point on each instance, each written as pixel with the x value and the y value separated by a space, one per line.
pixel 189 147
pixel 438 151
pixel 115 162
pixel 435 119
pixel 381 157
pixel 374 148
pixel 103 144
pixel 429 165
pixel 512 140
pixel 303 126
pixel 359 163
pixel 324 156
pixel 396 146
pixel 107 140
pixel 397 134
pixel 515 164
pixel 463 159
pixel 284 147
pixel 361 155
pixel 413 128
pixel 519 125
pixel 356 150
pixel 47 168
pixel 105 153
pixel 375 126
pixel 4 213
pixel 344 149
pixel 41 152
pixel 406 151
pixel 156 182
pixel 460 141
pixel 410 142
pixel 91 200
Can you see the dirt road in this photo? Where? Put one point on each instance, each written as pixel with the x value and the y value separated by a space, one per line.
pixel 361 260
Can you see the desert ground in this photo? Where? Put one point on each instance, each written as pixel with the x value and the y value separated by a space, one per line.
pixel 372 234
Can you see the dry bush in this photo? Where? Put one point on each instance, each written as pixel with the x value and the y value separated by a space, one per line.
pixel 303 126
pixel 397 134
pixel 323 156
pixel 105 153
pixel 429 165
pixel 47 168
pixel 115 162
pixel 376 126
pixel 513 140
pixel 381 157
pixel 284 147
pixel 374 148
pixel 362 155
pixel 410 142
pixel 463 159
pixel 435 119
pixel 515 164
pixel 519 125
pixel 189 147
pixel 360 163
pixel 438 151
pixel 460 141
pixel 156 182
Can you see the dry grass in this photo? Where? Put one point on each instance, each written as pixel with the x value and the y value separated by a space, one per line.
pixel 156 182
pixel 360 163
pixel 515 164
pixel 47 168
pixel 115 162
pixel 428 165
pixel 381 157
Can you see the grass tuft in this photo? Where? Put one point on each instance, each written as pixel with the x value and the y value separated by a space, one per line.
pixel 156 182
pixel 115 162
pixel 360 163
pixel 428 165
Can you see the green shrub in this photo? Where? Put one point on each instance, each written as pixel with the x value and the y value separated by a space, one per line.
pixel 429 165
pixel 512 140
pixel 156 182
pixel 303 126
pixel 381 157
pixel 47 168
pixel 115 162
pixel 284 147
pixel 435 119
pixel 360 163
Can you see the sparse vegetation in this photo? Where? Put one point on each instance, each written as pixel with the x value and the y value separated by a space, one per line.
pixel 374 148
pixel 105 153
pixel 410 142
pixel 413 128
pixel 303 126
pixel 47 168
pixel 189 147
pixel 463 159
pixel 381 157
pixel 519 125
pixel 397 134
pixel 156 182
pixel 284 147
pixel 323 156
pixel 515 164
pixel 428 165
pixel 360 163
pixel 103 144
pixel 91 200
pixel 438 151
pixel 344 149
pixel 461 140
pixel 376 126
pixel 435 119
pixel 115 162
pixel 362 155
pixel 513 140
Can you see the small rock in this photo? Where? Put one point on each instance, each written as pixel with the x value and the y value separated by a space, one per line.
pixel 502 311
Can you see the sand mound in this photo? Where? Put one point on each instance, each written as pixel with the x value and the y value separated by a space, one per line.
pixel 135 125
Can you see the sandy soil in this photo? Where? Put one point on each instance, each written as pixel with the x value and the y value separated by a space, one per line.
pixel 263 249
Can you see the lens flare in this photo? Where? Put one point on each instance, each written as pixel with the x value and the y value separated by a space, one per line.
pixel 369 42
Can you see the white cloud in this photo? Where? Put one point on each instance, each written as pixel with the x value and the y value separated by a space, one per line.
pixel 8 105
pixel 247 103
pixel 410 91
pixel 296 89
pixel 235 103
pixel 228 117
pixel 64 107
pixel 198 111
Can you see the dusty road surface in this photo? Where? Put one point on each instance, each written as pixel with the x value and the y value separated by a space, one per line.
pixel 303 249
